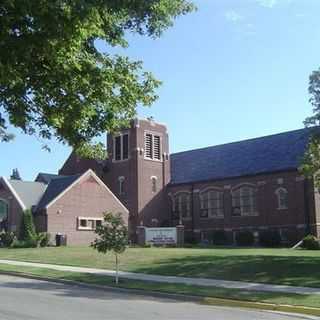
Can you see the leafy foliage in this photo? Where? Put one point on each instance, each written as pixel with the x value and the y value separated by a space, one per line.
pixel 15 175
pixel 311 163
pixel 28 231
pixel 54 81
pixel 43 239
pixel 112 236
pixel 310 242
pixel 6 238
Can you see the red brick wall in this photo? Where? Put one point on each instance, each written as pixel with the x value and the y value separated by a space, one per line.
pixel 143 204
pixel 268 214
pixel 86 199
pixel 15 211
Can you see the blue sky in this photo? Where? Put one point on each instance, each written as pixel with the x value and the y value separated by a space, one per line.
pixel 235 69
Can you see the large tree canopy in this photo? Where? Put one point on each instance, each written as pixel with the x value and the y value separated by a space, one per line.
pixel 54 81
pixel 311 163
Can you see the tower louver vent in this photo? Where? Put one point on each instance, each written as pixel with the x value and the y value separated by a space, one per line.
pixel 148 146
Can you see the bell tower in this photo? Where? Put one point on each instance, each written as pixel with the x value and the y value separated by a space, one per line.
pixel 138 172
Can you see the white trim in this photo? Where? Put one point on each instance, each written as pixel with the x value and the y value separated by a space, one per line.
pixel 7 183
pixel 243 185
pixel 153 134
pixel 277 193
pixel 100 182
pixel 87 219
pixel 211 188
pixel 153 177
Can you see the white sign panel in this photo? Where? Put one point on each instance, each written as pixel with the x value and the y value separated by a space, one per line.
pixel 161 235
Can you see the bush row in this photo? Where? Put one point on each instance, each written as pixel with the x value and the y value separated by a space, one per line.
pixel 28 237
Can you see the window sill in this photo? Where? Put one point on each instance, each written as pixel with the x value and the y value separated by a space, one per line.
pixel 119 161
pixel 210 218
pixel 246 215
pixel 154 160
pixel 282 209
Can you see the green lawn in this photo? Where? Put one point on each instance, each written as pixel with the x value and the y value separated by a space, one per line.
pixel 212 292
pixel 280 266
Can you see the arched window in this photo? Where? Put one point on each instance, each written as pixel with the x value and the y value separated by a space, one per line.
pixel 282 197
pixel 3 209
pixel 211 202
pixel 181 205
pixel 154 184
pixel 121 185
pixel 244 201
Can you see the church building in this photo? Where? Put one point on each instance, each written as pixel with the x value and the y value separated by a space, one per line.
pixel 247 185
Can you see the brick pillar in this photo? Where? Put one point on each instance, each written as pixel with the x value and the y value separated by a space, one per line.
pixel 196 216
pixel 141 236
pixel 180 235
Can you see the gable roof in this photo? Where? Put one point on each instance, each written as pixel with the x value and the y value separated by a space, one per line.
pixel 27 193
pixel 58 187
pixel 55 188
pixel 47 177
pixel 278 152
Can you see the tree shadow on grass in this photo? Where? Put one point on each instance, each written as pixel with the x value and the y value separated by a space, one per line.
pixel 286 270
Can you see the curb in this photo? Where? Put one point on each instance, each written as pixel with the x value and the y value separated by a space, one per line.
pixel 220 302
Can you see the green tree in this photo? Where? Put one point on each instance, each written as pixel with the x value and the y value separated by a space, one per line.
pixel 28 230
pixel 54 81
pixel 310 166
pixel 112 237
pixel 15 175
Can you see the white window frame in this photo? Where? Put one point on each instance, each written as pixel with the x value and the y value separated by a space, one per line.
pixel 94 219
pixel 153 134
pixel 207 206
pixel 240 189
pixel 121 146
pixel 179 195
pixel 278 194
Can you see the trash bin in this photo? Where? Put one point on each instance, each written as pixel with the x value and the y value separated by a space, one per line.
pixel 61 240
pixel 58 239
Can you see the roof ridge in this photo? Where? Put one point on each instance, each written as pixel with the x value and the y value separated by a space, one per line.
pixel 244 140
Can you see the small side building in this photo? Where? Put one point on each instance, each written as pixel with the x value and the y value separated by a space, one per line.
pixel 69 205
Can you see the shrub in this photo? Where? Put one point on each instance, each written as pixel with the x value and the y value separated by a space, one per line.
pixel 310 242
pixel 17 244
pixel 44 239
pixel 28 232
pixel 245 238
pixel 219 237
pixel 6 238
pixel 270 238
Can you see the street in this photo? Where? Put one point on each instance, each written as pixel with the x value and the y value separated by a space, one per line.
pixel 24 299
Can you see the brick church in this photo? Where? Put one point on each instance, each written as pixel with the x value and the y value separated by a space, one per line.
pixel 248 185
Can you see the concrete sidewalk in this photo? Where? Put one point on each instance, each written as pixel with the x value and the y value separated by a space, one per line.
pixel 171 279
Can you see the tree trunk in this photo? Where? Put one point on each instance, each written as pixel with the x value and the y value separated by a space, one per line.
pixel 117 270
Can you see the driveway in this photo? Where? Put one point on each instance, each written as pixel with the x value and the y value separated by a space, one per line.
pixel 26 299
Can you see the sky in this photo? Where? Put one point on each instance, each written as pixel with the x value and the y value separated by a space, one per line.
pixel 232 70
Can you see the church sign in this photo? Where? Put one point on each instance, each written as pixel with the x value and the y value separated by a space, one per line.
pixel 161 236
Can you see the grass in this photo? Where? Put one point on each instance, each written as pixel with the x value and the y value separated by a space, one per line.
pixel 214 292
pixel 277 266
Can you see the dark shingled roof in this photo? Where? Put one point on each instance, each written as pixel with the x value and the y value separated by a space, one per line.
pixel 47 177
pixel 277 152
pixel 55 187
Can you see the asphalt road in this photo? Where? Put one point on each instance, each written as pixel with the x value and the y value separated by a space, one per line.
pixel 26 299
